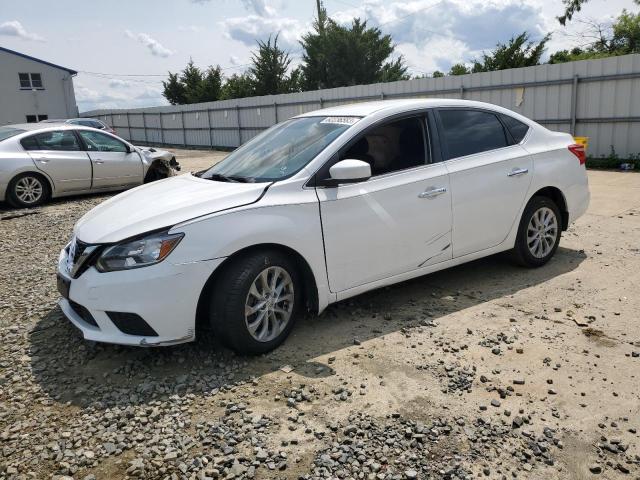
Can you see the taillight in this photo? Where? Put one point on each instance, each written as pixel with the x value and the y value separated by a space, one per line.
pixel 578 151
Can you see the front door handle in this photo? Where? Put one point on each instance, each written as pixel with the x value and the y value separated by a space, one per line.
pixel 99 162
pixel 517 172
pixel 43 160
pixel 432 192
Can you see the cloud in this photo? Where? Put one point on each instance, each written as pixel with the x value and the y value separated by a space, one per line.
pixel 436 34
pixel 155 47
pixel 260 7
pixel 102 96
pixel 118 83
pixel 14 28
pixel 235 61
pixel 189 28
pixel 251 28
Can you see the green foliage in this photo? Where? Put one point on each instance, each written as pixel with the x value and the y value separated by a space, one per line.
pixel 174 90
pixel 626 33
pixel 338 56
pixel 622 38
pixel 193 85
pixel 613 161
pixel 237 86
pixel 520 51
pixel 573 6
pixel 269 70
pixel 211 85
pixel 459 69
pixel 438 74
pixel 575 54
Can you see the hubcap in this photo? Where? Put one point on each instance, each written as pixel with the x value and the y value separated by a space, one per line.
pixel 29 189
pixel 542 232
pixel 269 304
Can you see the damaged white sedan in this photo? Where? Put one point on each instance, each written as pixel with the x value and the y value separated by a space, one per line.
pixel 317 209
pixel 39 161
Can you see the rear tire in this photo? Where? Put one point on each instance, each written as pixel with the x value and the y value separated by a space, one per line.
pixel 28 190
pixel 538 233
pixel 255 302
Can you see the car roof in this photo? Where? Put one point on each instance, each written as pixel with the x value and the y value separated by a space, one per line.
pixel 32 127
pixel 39 125
pixel 364 109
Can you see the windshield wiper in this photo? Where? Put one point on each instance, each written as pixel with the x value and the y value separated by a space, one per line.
pixel 242 179
pixel 222 178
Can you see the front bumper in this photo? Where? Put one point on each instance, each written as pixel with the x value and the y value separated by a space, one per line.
pixel 165 296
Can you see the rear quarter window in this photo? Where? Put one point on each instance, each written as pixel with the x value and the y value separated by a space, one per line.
pixel 30 143
pixel 517 129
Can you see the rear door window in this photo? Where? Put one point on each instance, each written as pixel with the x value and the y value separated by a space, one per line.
pixel 467 131
pixel 60 141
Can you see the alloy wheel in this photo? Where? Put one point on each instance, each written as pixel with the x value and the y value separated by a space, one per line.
pixel 542 232
pixel 29 190
pixel 269 304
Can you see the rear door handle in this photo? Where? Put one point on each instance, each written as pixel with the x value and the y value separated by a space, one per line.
pixel 432 192
pixel 517 172
pixel 99 162
pixel 43 160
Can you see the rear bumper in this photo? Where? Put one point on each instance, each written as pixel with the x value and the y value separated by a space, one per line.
pixel 165 296
pixel 578 199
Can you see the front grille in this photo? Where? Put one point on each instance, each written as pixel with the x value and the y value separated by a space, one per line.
pixel 80 248
pixel 82 258
pixel 131 324
pixel 83 313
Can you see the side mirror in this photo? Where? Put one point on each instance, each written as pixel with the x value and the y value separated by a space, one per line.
pixel 129 149
pixel 349 171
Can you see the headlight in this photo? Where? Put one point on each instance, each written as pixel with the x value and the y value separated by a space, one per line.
pixel 138 253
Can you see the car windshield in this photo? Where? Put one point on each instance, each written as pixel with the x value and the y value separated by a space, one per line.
pixel 6 132
pixel 281 151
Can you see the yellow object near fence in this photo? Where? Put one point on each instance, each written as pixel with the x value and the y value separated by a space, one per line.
pixel 584 141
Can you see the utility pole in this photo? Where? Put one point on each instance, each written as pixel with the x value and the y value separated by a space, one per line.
pixel 323 60
pixel 319 7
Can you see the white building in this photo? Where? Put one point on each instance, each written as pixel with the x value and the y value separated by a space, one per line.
pixel 32 89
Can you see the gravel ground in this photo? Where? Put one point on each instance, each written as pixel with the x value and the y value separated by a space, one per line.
pixel 485 370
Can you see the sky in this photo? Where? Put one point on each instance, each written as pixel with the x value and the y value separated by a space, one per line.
pixel 123 49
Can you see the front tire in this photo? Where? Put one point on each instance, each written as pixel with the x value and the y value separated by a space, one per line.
pixel 28 190
pixel 255 302
pixel 538 233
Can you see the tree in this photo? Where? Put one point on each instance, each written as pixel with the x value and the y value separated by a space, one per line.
pixel 438 74
pixel 191 78
pixel 269 69
pixel 237 86
pixel 520 51
pixel 622 37
pixel 315 67
pixel 193 85
pixel 573 6
pixel 626 33
pixel 338 56
pixel 211 85
pixel 459 69
pixel 174 90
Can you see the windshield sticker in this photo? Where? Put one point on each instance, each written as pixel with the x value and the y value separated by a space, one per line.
pixel 341 120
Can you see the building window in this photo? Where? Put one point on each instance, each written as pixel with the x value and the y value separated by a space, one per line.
pixel 30 81
pixel 36 118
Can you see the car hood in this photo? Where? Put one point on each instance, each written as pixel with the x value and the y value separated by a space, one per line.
pixel 162 204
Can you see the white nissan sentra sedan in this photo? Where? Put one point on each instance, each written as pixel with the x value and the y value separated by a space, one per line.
pixel 314 210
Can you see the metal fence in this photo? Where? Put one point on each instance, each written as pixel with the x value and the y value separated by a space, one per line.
pixel 599 99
